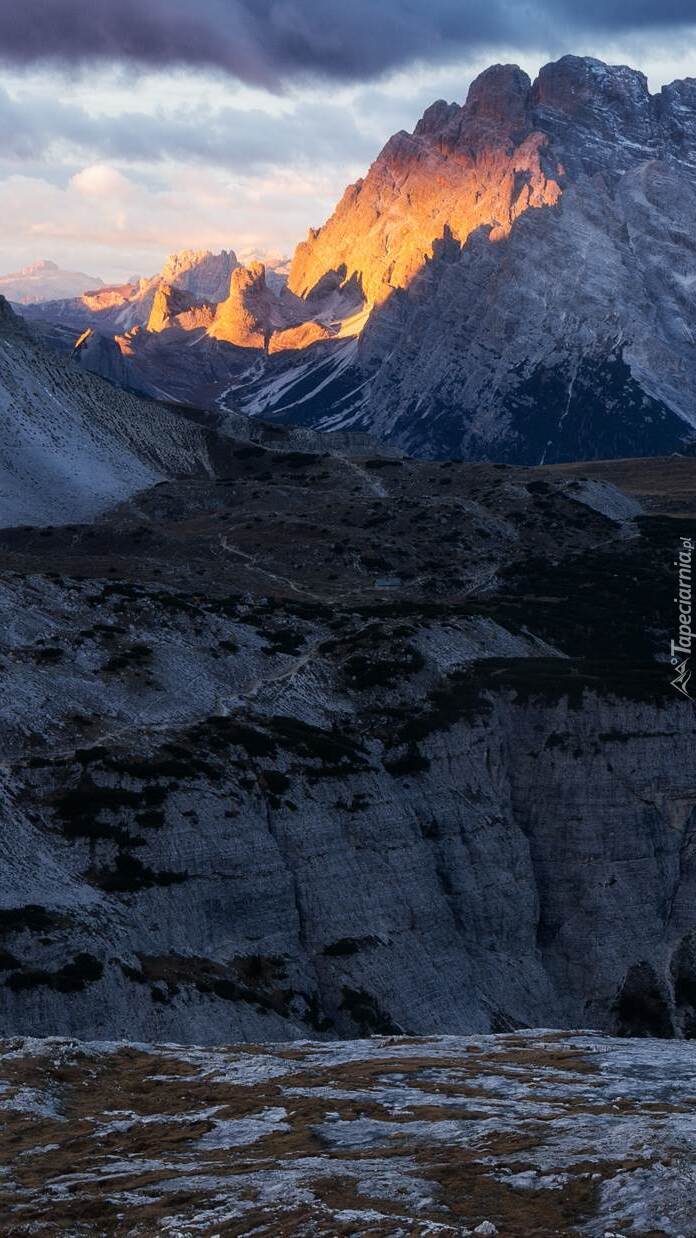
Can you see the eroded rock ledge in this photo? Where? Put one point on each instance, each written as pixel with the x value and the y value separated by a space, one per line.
pixel 536 1133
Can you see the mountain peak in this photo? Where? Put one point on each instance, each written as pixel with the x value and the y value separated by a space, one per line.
pixel 500 95
pixel 45 281
pixel 437 117
pixel 201 272
pixel 574 83
pixel 504 98
pixel 186 259
pixel 37 268
pixel 463 168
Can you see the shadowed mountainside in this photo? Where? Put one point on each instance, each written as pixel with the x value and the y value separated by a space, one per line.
pixel 274 741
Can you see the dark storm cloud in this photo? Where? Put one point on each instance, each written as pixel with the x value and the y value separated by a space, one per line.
pixel 270 42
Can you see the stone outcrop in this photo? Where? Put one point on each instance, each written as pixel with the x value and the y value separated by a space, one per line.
pixel 168 304
pixel 536 1133
pixel 244 317
pixel 295 338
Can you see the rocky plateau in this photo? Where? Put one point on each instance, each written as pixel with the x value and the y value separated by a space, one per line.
pixel 524 1135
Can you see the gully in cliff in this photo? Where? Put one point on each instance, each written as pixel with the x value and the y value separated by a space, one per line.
pixel 685 634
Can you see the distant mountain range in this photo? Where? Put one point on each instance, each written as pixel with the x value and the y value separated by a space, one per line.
pixel 113 307
pixel 515 280
pixel 45 281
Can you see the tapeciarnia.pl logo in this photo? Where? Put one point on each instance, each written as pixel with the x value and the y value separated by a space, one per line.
pixel 680 650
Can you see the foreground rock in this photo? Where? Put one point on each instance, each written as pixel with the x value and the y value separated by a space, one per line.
pixel 536 1134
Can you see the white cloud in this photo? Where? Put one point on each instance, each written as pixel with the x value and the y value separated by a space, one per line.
pixel 100 180
pixel 84 225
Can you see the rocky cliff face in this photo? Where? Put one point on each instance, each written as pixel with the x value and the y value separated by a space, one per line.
pixel 244 317
pixel 528 263
pixel 253 316
pixel 175 307
pixel 201 272
pixel 338 745
pixel 461 169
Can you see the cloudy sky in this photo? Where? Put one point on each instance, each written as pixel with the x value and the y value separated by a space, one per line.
pixel 132 128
